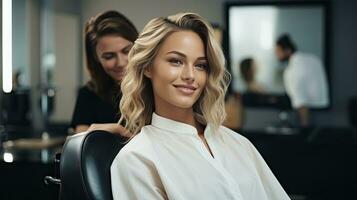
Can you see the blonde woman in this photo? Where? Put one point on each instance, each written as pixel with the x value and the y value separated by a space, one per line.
pixel 173 106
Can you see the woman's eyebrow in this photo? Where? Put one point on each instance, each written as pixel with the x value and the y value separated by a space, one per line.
pixel 183 55
pixel 107 53
pixel 178 53
pixel 202 58
pixel 128 46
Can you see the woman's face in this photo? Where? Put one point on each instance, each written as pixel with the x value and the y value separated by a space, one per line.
pixel 179 71
pixel 112 52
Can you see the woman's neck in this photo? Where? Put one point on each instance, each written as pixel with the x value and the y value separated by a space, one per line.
pixel 186 116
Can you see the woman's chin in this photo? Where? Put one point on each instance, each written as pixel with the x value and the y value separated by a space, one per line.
pixel 118 78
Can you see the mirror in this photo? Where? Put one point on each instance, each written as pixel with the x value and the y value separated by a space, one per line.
pixel 47 40
pixel 253 30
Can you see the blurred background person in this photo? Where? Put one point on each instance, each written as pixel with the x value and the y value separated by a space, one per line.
pixel 248 69
pixel 109 37
pixel 304 78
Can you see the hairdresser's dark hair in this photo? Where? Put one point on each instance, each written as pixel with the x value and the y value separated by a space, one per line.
pixel 286 43
pixel 246 69
pixel 106 23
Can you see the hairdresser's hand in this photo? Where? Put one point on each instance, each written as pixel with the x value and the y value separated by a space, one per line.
pixel 110 127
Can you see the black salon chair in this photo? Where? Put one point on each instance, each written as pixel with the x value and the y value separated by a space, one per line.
pixel 85 165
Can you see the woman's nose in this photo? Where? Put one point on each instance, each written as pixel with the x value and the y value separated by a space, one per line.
pixel 188 73
pixel 122 60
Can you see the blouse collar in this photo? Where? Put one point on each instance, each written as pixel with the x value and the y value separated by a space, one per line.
pixel 172 125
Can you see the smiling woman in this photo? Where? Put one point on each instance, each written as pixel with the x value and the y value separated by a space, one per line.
pixel 108 38
pixel 178 73
pixel 112 52
pixel 173 107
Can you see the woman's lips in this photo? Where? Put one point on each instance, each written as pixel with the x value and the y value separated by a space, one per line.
pixel 119 72
pixel 186 89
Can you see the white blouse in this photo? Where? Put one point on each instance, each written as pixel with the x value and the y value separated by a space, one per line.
pixel 168 160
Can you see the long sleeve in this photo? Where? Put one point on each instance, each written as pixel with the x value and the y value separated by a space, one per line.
pixel 271 185
pixel 134 177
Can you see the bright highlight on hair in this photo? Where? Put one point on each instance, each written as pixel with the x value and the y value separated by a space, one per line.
pixel 7 45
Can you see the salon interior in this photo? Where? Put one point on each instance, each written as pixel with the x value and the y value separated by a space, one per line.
pixel 43 67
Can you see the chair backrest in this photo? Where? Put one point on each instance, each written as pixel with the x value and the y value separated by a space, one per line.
pixel 85 165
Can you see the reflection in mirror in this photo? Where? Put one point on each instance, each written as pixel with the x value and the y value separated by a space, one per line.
pixel 253 31
pixel 278 58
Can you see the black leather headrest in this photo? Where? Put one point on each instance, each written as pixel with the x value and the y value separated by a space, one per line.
pixel 85 165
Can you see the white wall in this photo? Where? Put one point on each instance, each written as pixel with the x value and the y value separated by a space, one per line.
pixel 33 49
pixel 65 73
pixel 141 11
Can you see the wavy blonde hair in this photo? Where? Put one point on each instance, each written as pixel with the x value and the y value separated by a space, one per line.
pixel 137 102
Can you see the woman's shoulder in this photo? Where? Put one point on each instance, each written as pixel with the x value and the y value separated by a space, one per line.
pixel 86 90
pixel 139 146
pixel 233 135
pixel 135 159
pixel 87 94
pixel 237 141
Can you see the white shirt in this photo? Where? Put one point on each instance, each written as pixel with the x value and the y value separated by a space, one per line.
pixel 168 160
pixel 305 81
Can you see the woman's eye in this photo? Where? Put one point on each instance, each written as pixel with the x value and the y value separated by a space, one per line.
pixel 202 66
pixel 108 56
pixel 175 61
pixel 126 51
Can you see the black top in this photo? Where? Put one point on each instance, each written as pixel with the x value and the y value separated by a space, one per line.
pixel 90 108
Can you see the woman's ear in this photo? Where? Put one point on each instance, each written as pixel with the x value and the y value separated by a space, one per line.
pixel 147 71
